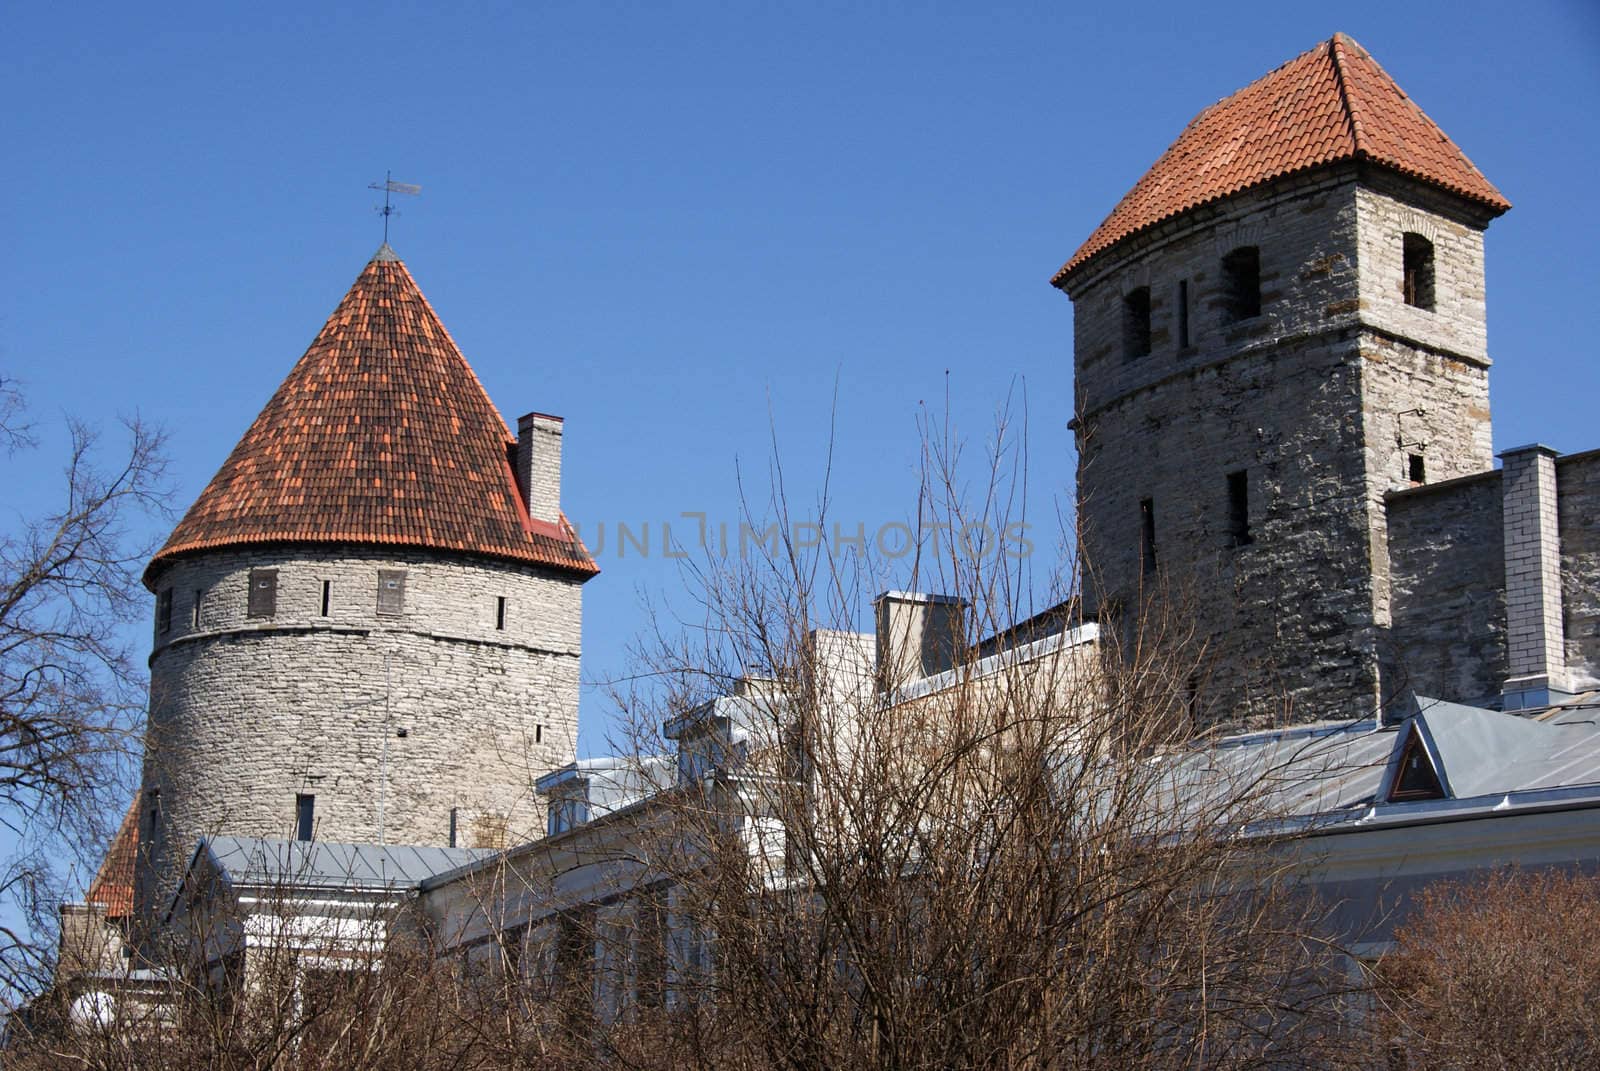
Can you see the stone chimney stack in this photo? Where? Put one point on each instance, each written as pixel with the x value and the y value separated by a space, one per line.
pixel 1535 646
pixel 918 635
pixel 539 465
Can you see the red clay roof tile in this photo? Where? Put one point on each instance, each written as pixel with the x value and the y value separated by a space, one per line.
pixel 112 886
pixel 1331 104
pixel 380 434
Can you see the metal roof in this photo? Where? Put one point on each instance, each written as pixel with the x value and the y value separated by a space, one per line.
pixel 321 864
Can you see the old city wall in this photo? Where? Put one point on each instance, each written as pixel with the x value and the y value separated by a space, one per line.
pixel 1447 565
pixel 1578 508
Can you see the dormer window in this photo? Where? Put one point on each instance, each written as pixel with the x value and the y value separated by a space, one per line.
pixel 1241 284
pixel 1416 779
pixel 1136 323
pixel 1417 281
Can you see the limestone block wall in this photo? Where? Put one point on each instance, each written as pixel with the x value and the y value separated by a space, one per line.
pixel 1306 233
pixel 1336 393
pixel 1386 209
pixel 1578 506
pixel 1447 563
pixel 1286 616
pixel 389 720
pixel 1425 384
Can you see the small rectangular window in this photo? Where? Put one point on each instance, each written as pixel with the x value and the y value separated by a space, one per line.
pixel 164 612
pixel 327 596
pixel 1416 470
pixel 1239 509
pixel 1136 323
pixel 1241 279
pixel 153 802
pixel 538 734
pixel 500 613
pixel 1147 522
pixel 1417 281
pixel 263 593
pixel 305 816
pixel 391 591
pixel 453 827
pixel 199 606
pixel 1183 314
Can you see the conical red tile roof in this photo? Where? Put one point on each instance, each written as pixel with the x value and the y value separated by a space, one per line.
pixel 381 434
pixel 1331 104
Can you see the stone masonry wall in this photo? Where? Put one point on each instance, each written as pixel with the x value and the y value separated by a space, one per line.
pixel 1320 400
pixel 1286 618
pixel 246 713
pixel 1425 384
pixel 1387 208
pixel 1447 566
pixel 1578 503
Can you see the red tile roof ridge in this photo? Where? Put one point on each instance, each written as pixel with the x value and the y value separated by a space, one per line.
pixel 1331 103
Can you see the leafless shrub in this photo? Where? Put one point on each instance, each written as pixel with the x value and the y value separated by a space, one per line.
pixel 995 867
pixel 1502 972
pixel 70 692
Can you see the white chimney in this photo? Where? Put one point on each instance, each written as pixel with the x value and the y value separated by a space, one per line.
pixel 1535 644
pixel 539 465
pixel 918 635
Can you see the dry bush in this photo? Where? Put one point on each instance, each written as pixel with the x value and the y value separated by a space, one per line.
pixel 999 872
pixel 1503 972
pixel 71 690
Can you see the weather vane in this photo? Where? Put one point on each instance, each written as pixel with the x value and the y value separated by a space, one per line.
pixel 390 186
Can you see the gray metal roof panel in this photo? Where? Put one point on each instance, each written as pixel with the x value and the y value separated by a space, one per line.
pixel 324 864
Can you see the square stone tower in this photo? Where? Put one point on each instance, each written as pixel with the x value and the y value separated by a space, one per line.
pixel 1281 322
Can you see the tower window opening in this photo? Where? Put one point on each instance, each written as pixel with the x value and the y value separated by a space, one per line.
pixel 263 593
pixel 164 612
pixel 1417 280
pixel 391 592
pixel 1239 509
pixel 154 797
pixel 500 613
pixel 327 596
pixel 538 734
pixel 1416 469
pixel 1147 522
pixel 199 604
pixel 1183 314
pixel 453 826
pixel 1136 323
pixel 1241 280
pixel 305 816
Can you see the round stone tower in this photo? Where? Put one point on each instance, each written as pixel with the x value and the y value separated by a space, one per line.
pixel 367 626
pixel 1280 323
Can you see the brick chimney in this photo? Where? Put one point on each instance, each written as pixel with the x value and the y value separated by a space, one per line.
pixel 539 465
pixel 1536 668
pixel 918 635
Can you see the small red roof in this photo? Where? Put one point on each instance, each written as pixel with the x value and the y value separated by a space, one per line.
pixel 1331 104
pixel 112 887
pixel 380 434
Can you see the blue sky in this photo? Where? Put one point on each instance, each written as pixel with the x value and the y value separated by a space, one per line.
pixel 683 226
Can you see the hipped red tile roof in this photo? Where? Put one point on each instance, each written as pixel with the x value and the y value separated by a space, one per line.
pixel 381 434
pixel 112 886
pixel 1331 104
